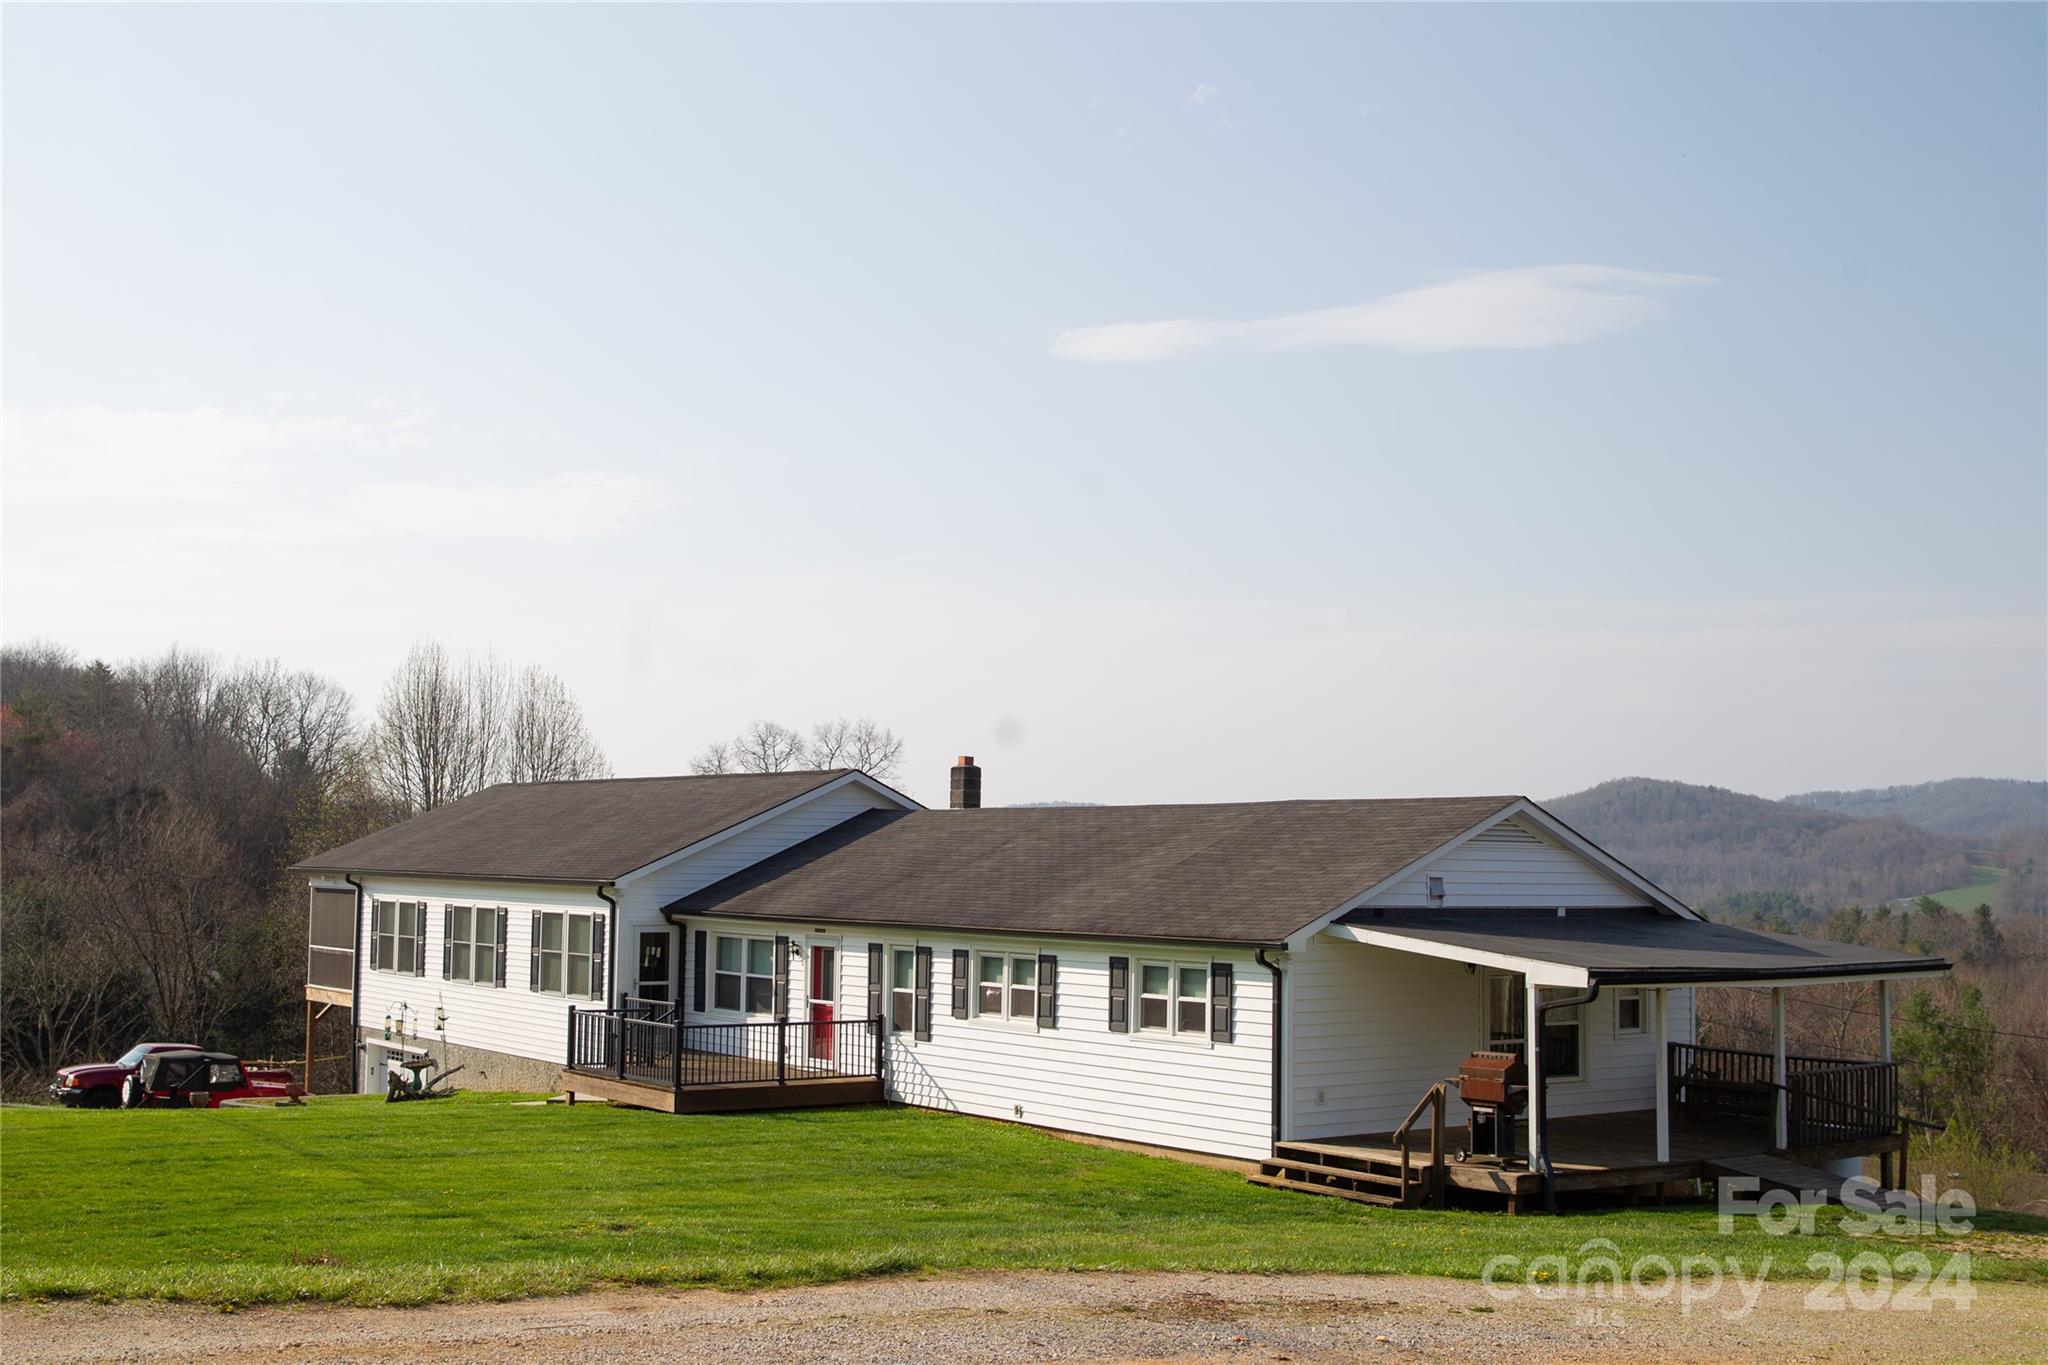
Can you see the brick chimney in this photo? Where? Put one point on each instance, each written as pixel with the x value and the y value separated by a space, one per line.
pixel 966 784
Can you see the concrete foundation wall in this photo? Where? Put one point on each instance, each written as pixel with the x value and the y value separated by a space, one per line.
pixel 481 1069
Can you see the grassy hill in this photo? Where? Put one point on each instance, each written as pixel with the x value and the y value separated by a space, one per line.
pixel 1718 849
pixel 1978 807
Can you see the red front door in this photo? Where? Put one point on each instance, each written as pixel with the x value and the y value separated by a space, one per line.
pixel 824 989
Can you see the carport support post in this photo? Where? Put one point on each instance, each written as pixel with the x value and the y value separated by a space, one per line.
pixel 1663 1076
pixel 1782 1072
pixel 309 1045
pixel 1532 1060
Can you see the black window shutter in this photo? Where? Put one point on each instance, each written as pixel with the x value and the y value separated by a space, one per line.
pixel 703 946
pixel 921 1019
pixel 1048 991
pixel 448 941
pixel 533 955
pixel 419 941
pixel 875 968
pixel 1119 995
pixel 597 923
pixel 960 971
pixel 782 976
pixel 504 922
pixel 1220 1012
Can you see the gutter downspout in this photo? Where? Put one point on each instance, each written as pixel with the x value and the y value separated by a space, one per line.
pixel 611 956
pixel 1543 1008
pixel 1279 1018
pixel 355 997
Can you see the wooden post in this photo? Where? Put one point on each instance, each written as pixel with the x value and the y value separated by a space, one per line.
pixel 1663 1081
pixel 1532 1061
pixel 310 1016
pixel 1783 1072
pixel 1884 1021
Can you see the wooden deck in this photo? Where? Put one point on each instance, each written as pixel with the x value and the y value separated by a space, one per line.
pixel 1612 1152
pixel 735 1097
pixel 743 1083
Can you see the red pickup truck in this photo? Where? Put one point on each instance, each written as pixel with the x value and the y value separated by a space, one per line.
pixel 98 1085
pixel 191 1079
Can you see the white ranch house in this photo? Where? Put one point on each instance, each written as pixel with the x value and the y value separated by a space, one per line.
pixel 1286 983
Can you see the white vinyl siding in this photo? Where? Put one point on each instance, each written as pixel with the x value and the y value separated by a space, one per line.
pixel 1078 1076
pixel 1373 1028
pixel 513 1020
pixel 1510 865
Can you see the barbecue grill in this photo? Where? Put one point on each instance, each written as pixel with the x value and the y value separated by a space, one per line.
pixel 1495 1087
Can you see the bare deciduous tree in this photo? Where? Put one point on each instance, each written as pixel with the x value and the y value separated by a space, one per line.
pixel 549 741
pixel 766 747
pixel 716 759
pixel 769 747
pixel 874 749
pixel 445 730
pixel 420 731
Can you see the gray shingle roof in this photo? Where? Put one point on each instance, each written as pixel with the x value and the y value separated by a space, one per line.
pixel 1641 948
pixel 567 831
pixel 1240 873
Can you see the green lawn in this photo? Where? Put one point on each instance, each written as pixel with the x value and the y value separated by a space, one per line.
pixel 359 1201
pixel 1963 899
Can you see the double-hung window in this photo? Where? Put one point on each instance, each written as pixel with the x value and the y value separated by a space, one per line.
pixel 744 979
pixel 1006 987
pixel 395 936
pixel 903 990
pixel 564 952
pixel 473 945
pixel 1173 999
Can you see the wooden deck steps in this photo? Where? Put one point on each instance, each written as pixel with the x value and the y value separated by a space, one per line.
pixel 1313 1168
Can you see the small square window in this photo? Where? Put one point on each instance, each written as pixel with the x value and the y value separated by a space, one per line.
pixel 1628 1012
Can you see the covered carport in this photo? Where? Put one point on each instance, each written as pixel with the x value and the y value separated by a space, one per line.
pixel 1572 955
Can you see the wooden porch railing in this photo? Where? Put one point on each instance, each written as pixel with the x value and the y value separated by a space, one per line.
pixel 642 1041
pixel 1826 1099
pixel 1428 1187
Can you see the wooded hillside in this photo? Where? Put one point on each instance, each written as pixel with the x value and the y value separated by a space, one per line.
pixel 1721 850
pixel 1981 808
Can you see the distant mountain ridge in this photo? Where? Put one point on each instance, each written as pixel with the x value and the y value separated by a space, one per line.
pixel 1720 850
pixel 1978 807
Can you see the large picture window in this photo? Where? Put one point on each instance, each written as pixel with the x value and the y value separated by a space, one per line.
pixel 744 978
pixel 1173 998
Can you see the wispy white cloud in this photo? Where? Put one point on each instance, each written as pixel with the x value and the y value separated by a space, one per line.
pixel 202 454
pixel 554 507
pixel 1547 305
pixel 1201 95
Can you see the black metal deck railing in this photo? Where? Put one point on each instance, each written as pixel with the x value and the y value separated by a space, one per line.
pixel 642 1041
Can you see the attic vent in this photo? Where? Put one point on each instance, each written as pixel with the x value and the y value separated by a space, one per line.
pixel 1436 890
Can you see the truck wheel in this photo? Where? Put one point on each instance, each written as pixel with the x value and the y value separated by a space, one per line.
pixel 102 1097
pixel 132 1093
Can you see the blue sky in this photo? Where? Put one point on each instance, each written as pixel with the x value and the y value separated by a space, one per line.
pixel 1543 394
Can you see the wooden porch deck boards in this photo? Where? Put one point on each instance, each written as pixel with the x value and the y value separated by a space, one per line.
pixel 1589 1152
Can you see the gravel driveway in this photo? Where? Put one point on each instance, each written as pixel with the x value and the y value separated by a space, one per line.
pixel 1039 1317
